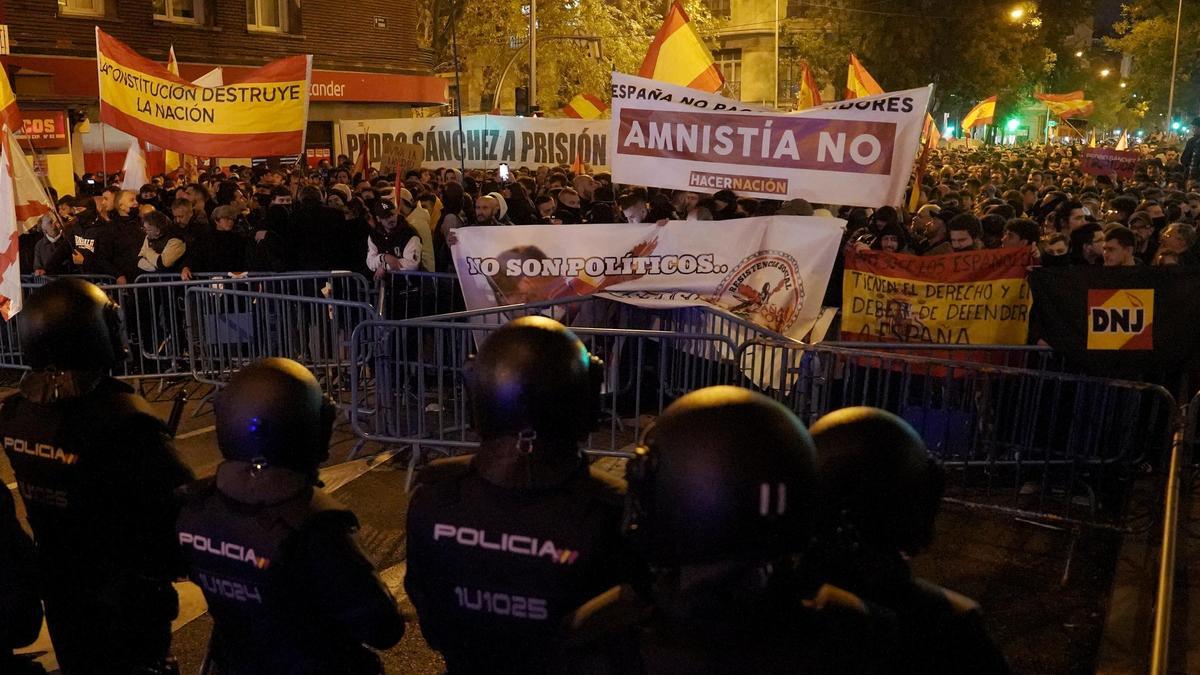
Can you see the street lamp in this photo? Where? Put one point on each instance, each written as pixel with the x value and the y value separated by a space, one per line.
pixel 1123 85
pixel 1017 13
pixel 1079 54
pixel 1105 72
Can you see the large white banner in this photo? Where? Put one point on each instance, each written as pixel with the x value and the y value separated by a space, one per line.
pixel 772 271
pixel 857 152
pixel 489 140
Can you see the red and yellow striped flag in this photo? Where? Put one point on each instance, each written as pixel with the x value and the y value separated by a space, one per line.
pixel 678 55
pixel 9 113
pixel 1072 104
pixel 983 113
pixel 859 82
pixel 809 96
pixel 262 115
pixel 585 107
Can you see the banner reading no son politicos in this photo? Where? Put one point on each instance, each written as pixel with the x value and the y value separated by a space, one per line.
pixel 263 115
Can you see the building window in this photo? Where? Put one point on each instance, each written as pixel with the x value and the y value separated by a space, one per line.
pixel 729 61
pixel 81 7
pixel 183 11
pixel 719 8
pixel 266 15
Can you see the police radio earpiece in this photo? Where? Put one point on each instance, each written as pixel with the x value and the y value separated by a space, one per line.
pixel 595 395
pixel 640 473
pixel 329 411
pixel 116 332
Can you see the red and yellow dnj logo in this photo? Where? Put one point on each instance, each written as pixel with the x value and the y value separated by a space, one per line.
pixel 1120 319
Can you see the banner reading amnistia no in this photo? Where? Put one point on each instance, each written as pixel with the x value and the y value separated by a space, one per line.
pixel 263 115
pixel 857 152
pixel 772 271
pixel 969 298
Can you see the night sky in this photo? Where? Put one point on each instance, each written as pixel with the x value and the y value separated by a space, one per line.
pixel 1107 12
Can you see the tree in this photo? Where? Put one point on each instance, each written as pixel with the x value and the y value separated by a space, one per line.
pixel 969 49
pixel 1146 33
pixel 490 32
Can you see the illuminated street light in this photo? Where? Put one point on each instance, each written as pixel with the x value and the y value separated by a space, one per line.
pixel 1123 85
pixel 1105 73
pixel 1017 13
pixel 1079 54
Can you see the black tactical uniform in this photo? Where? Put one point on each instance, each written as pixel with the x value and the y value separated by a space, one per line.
pixel 503 544
pixel 719 499
pixel 287 586
pixel 97 471
pixel 20 607
pixel 882 495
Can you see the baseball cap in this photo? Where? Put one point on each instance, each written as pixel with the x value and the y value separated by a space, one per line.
pixel 383 208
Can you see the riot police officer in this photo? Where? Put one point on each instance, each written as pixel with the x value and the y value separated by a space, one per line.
pixel 882 492
pixel 721 494
pixel 20 606
pixel 287 586
pixel 97 472
pixel 502 544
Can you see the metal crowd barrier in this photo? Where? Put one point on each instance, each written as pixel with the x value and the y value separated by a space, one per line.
pixel 412 392
pixel 154 318
pixel 34 280
pixel 1029 442
pixel 1031 357
pixel 411 295
pixel 231 328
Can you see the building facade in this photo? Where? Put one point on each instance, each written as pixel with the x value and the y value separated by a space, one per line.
pixel 745 48
pixel 371 59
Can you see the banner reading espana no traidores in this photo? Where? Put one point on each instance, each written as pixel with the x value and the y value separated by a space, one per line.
pixel 970 298
pixel 263 115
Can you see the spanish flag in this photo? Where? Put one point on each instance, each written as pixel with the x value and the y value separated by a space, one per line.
pixel 263 115
pixel 859 82
pixel 1067 105
pixel 9 113
pixel 678 55
pixel 809 96
pixel 170 157
pixel 585 107
pixel 983 113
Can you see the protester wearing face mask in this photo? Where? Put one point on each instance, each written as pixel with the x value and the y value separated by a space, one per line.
pixel 1055 249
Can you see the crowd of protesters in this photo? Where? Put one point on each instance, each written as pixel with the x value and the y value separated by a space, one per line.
pixel 335 218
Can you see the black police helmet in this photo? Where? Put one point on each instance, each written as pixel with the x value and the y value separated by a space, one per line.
pixel 70 324
pixel 878 476
pixel 533 375
pixel 273 413
pixel 723 474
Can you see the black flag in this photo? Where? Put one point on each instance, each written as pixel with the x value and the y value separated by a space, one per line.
pixel 1122 322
